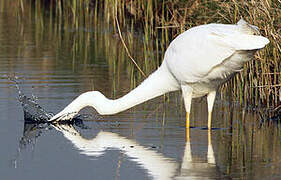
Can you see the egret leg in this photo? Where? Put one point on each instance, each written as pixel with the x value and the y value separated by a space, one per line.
pixel 187 127
pixel 210 154
pixel 209 120
pixel 209 137
pixel 187 122
pixel 210 99
pixel 187 96
pixel 187 157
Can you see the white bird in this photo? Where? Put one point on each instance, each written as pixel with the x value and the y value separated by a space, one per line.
pixel 196 62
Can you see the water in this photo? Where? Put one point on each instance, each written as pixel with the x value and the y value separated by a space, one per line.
pixel 53 66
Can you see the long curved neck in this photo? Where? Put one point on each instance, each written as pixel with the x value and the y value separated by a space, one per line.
pixel 158 83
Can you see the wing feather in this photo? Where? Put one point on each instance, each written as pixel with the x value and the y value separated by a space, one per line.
pixel 195 52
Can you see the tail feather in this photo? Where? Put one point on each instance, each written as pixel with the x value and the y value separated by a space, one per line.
pixel 238 41
pixel 247 42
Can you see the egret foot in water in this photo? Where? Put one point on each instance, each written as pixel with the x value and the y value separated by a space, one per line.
pixel 210 153
pixel 187 130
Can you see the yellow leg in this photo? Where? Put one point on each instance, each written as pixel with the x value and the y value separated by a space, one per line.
pixel 187 135
pixel 210 153
pixel 187 122
pixel 209 137
pixel 210 120
pixel 187 125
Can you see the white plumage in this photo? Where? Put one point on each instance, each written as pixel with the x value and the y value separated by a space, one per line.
pixel 197 62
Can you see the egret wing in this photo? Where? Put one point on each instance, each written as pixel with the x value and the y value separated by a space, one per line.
pixel 192 55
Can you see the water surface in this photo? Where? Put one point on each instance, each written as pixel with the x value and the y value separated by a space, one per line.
pixel 145 142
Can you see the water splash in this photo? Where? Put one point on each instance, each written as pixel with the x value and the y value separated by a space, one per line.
pixel 33 112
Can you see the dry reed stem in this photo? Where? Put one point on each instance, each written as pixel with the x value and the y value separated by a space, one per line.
pixel 126 48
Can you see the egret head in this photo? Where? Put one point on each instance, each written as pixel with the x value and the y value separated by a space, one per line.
pixel 96 100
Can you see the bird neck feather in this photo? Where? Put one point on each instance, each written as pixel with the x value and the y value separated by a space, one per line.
pixel 158 83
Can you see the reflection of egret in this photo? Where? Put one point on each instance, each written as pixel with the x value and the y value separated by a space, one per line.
pixel 155 163
pixel 198 170
pixel 196 62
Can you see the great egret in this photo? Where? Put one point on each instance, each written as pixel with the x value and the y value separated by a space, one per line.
pixel 197 62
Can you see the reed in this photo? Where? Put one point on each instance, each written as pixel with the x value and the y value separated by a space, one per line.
pixel 162 20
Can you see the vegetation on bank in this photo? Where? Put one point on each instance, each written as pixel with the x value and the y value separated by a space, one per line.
pixel 162 20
